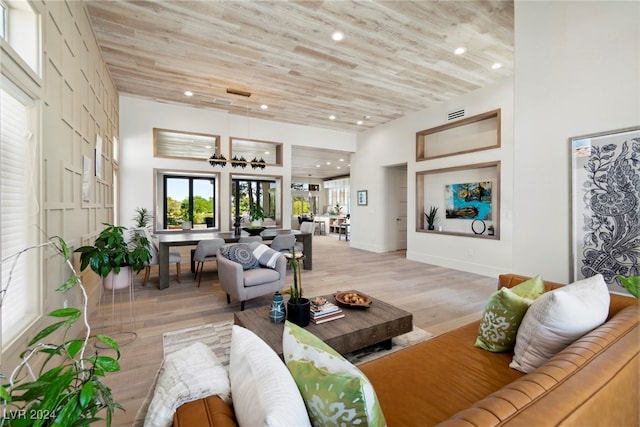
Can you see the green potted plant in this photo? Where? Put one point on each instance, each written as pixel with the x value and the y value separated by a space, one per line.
pixel 112 255
pixel 67 389
pixel 142 218
pixel 631 284
pixel 256 215
pixel 491 230
pixel 431 217
pixel 298 308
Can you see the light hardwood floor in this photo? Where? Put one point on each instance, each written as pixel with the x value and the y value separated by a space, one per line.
pixel 440 299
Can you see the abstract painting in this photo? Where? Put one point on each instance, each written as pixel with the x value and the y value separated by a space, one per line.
pixel 606 204
pixel 470 200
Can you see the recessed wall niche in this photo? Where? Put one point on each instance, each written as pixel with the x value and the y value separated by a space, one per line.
pixel 250 149
pixel 467 198
pixel 481 132
pixel 184 145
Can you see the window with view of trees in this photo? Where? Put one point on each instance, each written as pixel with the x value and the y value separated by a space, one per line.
pixel 189 198
pixel 245 193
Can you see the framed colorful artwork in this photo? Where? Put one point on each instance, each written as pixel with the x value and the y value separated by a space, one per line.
pixel 362 198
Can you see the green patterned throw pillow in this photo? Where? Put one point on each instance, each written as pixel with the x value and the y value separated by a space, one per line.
pixel 503 314
pixel 336 393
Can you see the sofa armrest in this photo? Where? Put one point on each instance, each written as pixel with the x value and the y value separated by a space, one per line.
pixel 231 275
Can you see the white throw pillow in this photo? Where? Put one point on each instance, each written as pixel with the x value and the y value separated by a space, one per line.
pixel 186 375
pixel 264 393
pixel 557 318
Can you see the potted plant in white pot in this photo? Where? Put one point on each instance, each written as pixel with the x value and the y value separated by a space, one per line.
pixel 113 258
pixel 256 215
pixel 66 389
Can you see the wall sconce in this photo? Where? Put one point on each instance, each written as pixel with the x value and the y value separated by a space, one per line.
pixel 220 160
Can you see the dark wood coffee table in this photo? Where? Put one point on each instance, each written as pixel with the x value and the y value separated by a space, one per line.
pixel 359 328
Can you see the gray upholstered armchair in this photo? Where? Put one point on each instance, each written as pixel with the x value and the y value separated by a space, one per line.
pixel 246 284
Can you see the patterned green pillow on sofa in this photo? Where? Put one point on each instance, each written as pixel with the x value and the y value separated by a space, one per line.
pixel 335 392
pixel 503 314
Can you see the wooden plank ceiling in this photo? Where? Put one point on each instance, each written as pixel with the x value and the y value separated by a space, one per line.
pixel 396 57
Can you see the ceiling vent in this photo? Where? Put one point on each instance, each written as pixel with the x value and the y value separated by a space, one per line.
pixel 221 101
pixel 456 114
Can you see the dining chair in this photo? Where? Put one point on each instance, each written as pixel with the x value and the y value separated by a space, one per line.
pixel 283 242
pixel 174 257
pixel 206 251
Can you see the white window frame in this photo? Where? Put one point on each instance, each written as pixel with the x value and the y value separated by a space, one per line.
pixel 22 303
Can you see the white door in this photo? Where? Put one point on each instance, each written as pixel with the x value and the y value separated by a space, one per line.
pixel 397 191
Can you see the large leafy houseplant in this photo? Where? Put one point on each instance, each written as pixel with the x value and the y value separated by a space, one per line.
pixel 67 389
pixel 110 252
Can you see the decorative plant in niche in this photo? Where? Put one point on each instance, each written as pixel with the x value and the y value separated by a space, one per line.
pixel 431 217
pixel 67 390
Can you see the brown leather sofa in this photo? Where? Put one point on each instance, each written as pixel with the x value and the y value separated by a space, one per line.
pixel 447 381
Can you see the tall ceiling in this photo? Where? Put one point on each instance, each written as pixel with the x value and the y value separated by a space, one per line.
pixel 396 57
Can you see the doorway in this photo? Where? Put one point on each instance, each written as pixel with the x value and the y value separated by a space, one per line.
pixel 397 207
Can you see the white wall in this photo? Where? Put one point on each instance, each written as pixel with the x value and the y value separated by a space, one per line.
pixel 395 143
pixel 577 71
pixel 138 118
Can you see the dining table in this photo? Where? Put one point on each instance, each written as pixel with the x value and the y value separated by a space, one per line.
pixel 179 238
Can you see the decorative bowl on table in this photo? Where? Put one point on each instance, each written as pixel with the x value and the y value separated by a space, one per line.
pixel 254 231
pixel 352 299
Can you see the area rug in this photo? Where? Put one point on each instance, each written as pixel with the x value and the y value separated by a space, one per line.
pixel 218 337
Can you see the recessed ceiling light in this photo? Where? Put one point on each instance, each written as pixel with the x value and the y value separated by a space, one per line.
pixel 338 167
pixel 317 166
pixel 332 117
pixel 460 50
pixel 359 122
pixel 328 163
pixel 337 36
pixel 496 66
pixel 266 153
pixel 264 106
pixel 342 160
pixel 188 93
pixel 207 146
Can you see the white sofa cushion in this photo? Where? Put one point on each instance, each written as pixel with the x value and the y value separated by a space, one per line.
pixel 264 393
pixel 557 318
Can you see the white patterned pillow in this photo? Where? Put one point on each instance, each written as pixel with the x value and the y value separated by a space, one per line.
pixel 264 394
pixel 335 392
pixel 242 254
pixel 186 375
pixel 557 318
pixel 266 256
